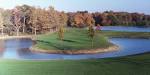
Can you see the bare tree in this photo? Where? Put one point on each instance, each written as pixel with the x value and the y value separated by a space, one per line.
pixel 16 19
pixel 1 23
pixel 53 18
pixel 25 11
pixel 34 20
pixel 8 26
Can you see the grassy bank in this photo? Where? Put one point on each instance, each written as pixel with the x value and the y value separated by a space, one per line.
pixel 131 65
pixel 74 39
pixel 120 34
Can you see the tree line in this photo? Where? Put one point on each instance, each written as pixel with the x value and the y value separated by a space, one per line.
pixel 33 20
pixel 108 18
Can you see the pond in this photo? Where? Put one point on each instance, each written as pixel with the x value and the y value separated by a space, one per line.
pixel 19 49
pixel 126 29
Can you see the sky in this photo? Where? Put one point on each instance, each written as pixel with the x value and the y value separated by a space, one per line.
pixel 141 6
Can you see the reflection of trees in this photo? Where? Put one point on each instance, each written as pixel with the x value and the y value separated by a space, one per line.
pixel 14 48
pixel 23 48
pixel 2 47
pixel 23 51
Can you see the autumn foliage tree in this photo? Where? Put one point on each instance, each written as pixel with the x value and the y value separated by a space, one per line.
pixel 53 19
pixel 34 20
pixel 16 20
pixel 25 12
pixel 111 18
pixel 30 19
pixel 80 19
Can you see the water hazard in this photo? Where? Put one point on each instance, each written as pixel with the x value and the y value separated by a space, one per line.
pixel 19 49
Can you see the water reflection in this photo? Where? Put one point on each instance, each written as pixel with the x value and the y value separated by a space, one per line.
pixel 1 47
pixel 13 47
pixel 19 49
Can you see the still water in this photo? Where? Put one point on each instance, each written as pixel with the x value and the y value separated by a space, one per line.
pixel 126 29
pixel 19 49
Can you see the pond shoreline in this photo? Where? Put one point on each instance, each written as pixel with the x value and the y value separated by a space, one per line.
pixel 33 37
pixel 76 52
pixel 17 37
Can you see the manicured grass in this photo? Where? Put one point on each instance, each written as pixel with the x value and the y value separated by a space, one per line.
pixel 74 39
pixel 77 39
pixel 120 34
pixel 131 65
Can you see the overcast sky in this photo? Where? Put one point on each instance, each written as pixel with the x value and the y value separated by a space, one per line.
pixel 142 6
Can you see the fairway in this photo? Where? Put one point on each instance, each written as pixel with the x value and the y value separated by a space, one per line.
pixel 130 65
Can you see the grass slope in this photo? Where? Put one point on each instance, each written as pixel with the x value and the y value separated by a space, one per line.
pixel 131 65
pixel 74 39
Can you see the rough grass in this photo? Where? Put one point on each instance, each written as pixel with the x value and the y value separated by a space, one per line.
pixel 131 65
pixel 74 39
